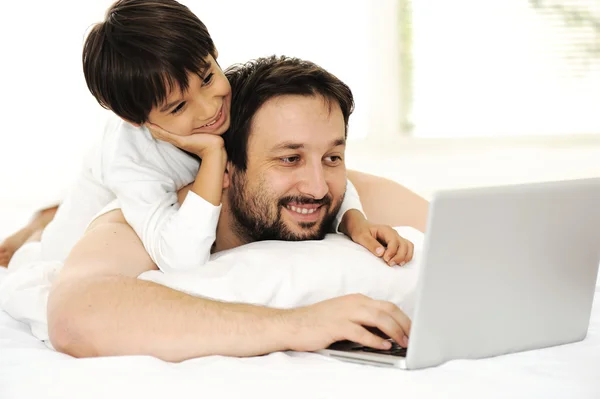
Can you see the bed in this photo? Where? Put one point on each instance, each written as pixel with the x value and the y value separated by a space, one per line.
pixel 28 369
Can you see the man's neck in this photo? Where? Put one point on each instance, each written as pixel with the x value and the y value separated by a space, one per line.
pixel 227 236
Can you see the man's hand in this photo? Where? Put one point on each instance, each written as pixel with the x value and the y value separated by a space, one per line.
pixel 201 144
pixel 381 240
pixel 315 327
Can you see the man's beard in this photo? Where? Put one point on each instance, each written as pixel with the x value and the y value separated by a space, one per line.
pixel 256 219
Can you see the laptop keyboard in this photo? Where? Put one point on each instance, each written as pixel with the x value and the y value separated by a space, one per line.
pixel 348 346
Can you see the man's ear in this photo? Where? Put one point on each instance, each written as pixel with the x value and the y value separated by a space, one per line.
pixel 227 175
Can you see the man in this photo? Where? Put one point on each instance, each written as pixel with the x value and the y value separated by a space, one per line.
pixel 286 177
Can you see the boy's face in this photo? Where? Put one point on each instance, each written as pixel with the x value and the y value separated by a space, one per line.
pixel 203 108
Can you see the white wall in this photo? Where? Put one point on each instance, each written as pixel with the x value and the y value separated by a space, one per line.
pixel 503 68
pixel 48 116
pixel 429 165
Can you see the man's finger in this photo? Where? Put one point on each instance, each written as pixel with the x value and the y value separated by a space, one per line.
pixel 375 315
pixel 398 315
pixel 390 327
pixel 357 333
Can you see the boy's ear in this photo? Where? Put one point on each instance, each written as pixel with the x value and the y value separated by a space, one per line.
pixel 216 54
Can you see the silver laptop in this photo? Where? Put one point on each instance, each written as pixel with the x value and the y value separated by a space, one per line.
pixel 504 269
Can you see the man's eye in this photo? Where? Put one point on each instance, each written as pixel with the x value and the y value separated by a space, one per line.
pixel 290 160
pixel 178 108
pixel 208 79
pixel 333 159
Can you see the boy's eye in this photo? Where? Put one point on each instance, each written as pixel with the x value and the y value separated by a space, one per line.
pixel 178 108
pixel 333 158
pixel 208 78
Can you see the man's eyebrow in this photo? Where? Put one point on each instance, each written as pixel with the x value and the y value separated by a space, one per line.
pixel 287 145
pixel 338 142
pixel 290 145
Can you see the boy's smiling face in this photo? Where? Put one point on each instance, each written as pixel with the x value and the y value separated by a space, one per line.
pixel 203 108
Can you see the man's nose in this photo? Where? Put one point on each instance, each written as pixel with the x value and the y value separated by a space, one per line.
pixel 313 182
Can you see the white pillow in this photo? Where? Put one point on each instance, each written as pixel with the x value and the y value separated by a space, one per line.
pixel 285 274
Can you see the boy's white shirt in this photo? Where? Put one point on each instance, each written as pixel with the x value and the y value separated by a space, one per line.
pixel 145 175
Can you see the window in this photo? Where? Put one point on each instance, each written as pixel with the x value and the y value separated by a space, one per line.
pixel 499 68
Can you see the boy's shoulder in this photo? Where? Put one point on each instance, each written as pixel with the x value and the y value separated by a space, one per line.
pixel 122 140
pixel 119 132
pixel 127 144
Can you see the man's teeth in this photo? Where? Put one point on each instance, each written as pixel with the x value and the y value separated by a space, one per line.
pixel 303 211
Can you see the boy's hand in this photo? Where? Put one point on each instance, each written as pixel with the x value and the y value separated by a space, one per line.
pixel 209 147
pixel 381 240
pixel 200 144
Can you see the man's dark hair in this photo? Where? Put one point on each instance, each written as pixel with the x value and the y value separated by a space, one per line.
pixel 257 81
pixel 140 52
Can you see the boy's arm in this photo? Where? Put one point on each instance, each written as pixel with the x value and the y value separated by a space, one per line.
pixel 351 201
pixel 381 240
pixel 209 180
pixel 176 237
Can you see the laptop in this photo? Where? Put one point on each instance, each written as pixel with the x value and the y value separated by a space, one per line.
pixel 504 269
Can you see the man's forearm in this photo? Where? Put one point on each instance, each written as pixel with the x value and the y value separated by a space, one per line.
pixel 117 315
pixel 98 307
pixel 386 202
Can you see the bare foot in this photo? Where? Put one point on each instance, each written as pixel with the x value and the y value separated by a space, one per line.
pixel 12 243
pixel 31 232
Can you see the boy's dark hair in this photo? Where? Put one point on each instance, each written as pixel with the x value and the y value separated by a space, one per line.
pixel 257 81
pixel 141 51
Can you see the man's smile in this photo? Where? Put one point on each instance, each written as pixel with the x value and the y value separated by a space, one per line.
pixel 304 213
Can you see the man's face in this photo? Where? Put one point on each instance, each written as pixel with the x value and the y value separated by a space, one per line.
pixel 296 177
pixel 203 108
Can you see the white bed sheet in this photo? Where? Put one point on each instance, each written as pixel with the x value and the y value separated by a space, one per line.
pixel 30 370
